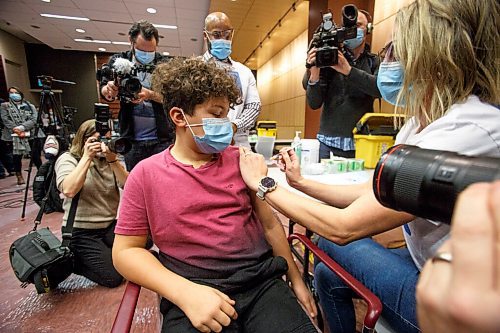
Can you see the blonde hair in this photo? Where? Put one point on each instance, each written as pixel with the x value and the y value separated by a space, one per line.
pixel 85 131
pixel 449 50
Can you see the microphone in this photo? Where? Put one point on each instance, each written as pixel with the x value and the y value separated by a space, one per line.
pixel 123 66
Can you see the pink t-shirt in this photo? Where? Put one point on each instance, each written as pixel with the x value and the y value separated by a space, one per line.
pixel 199 217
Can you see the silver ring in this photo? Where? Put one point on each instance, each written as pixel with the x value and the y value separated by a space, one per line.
pixel 442 256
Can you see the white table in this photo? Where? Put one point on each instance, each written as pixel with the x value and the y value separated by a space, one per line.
pixel 345 178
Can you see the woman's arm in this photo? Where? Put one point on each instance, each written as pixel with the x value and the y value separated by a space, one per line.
pixel 6 118
pixel 207 308
pixel 276 237
pixel 339 196
pixel 29 124
pixel 73 182
pixel 120 172
pixel 363 217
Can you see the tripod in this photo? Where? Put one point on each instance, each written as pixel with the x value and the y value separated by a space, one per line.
pixel 53 126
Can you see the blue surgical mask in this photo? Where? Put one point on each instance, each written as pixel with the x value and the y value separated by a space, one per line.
pixel 390 81
pixel 218 135
pixel 16 97
pixel 220 48
pixel 355 42
pixel 144 57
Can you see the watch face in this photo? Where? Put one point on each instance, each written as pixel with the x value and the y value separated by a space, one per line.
pixel 268 182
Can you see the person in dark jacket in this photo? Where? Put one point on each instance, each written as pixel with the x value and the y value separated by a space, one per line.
pixel 141 120
pixel 345 91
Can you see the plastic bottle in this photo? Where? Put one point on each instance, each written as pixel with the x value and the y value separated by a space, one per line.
pixel 297 145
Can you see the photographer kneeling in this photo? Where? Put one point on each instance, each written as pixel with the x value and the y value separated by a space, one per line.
pixel 93 170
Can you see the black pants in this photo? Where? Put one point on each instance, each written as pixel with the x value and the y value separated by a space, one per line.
pixel 92 250
pixel 324 152
pixel 6 158
pixel 269 307
pixel 36 149
pixel 143 149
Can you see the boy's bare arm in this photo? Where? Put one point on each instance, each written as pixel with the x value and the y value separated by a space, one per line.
pixel 275 236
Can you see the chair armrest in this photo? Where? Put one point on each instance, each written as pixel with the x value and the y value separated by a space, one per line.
pixel 374 305
pixel 126 310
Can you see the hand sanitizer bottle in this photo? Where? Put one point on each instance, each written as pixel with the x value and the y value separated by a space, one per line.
pixel 297 145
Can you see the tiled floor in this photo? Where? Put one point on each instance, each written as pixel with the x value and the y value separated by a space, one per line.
pixel 78 306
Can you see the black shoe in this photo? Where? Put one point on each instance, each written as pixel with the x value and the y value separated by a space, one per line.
pixel 11 174
pixel 2 176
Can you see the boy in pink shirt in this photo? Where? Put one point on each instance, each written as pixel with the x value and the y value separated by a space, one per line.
pixel 222 251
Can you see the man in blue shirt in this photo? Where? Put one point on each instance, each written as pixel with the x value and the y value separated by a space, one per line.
pixel 142 120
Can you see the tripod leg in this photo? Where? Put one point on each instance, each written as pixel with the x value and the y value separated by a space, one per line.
pixel 34 150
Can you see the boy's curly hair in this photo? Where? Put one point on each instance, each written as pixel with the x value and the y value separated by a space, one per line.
pixel 185 83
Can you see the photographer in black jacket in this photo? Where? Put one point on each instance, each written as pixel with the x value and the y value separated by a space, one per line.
pixel 142 119
pixel 345 91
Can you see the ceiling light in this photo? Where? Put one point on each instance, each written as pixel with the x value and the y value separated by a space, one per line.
pixel 102 49
pixel 121 43
pixel 80 30
pixel 97 41
pixel 66 17
pixel 165 26
pixel 46 0
pixel 166 53
pixel 151 10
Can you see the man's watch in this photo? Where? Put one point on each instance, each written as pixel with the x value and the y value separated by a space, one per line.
pixel 266 184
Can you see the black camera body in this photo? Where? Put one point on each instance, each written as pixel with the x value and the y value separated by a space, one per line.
pixel 102 126
pixel 329 37
pixel 124 74
pixel 425 182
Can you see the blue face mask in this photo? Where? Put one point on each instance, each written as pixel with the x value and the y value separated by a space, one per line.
pixel 220 48
pixel 390 81
pixel 16 97
pixel 218 135
pixel 144 57
pixel 355 42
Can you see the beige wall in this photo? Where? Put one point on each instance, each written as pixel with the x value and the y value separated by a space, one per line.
pixel 16 68
pixel 279 82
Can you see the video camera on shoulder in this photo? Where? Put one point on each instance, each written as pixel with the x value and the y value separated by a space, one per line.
pixel 103 127
pixel 328 37
pixel 124 74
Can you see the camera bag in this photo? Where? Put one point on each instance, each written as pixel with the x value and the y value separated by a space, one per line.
pixel 40 257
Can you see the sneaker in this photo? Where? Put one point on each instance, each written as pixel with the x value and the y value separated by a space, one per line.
pixel 51 147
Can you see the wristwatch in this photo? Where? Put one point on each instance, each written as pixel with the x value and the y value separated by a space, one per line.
pixel 266 184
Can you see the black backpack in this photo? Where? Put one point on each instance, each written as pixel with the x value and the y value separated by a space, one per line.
pixel 44 186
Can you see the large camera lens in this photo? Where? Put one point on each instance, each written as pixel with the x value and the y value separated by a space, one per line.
pixel 120 145
pixel 349 16
pixel 426 182
pixel 131 85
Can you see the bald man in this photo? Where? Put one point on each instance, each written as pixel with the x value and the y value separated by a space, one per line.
pixel 345 93
pixel 219 34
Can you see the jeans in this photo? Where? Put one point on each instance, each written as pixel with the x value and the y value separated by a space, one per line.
pixel 92 250
pixel 142 150
pixel 324 151
pixel 390 274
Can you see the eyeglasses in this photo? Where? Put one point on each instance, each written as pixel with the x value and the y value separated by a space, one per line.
pixel 217 34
